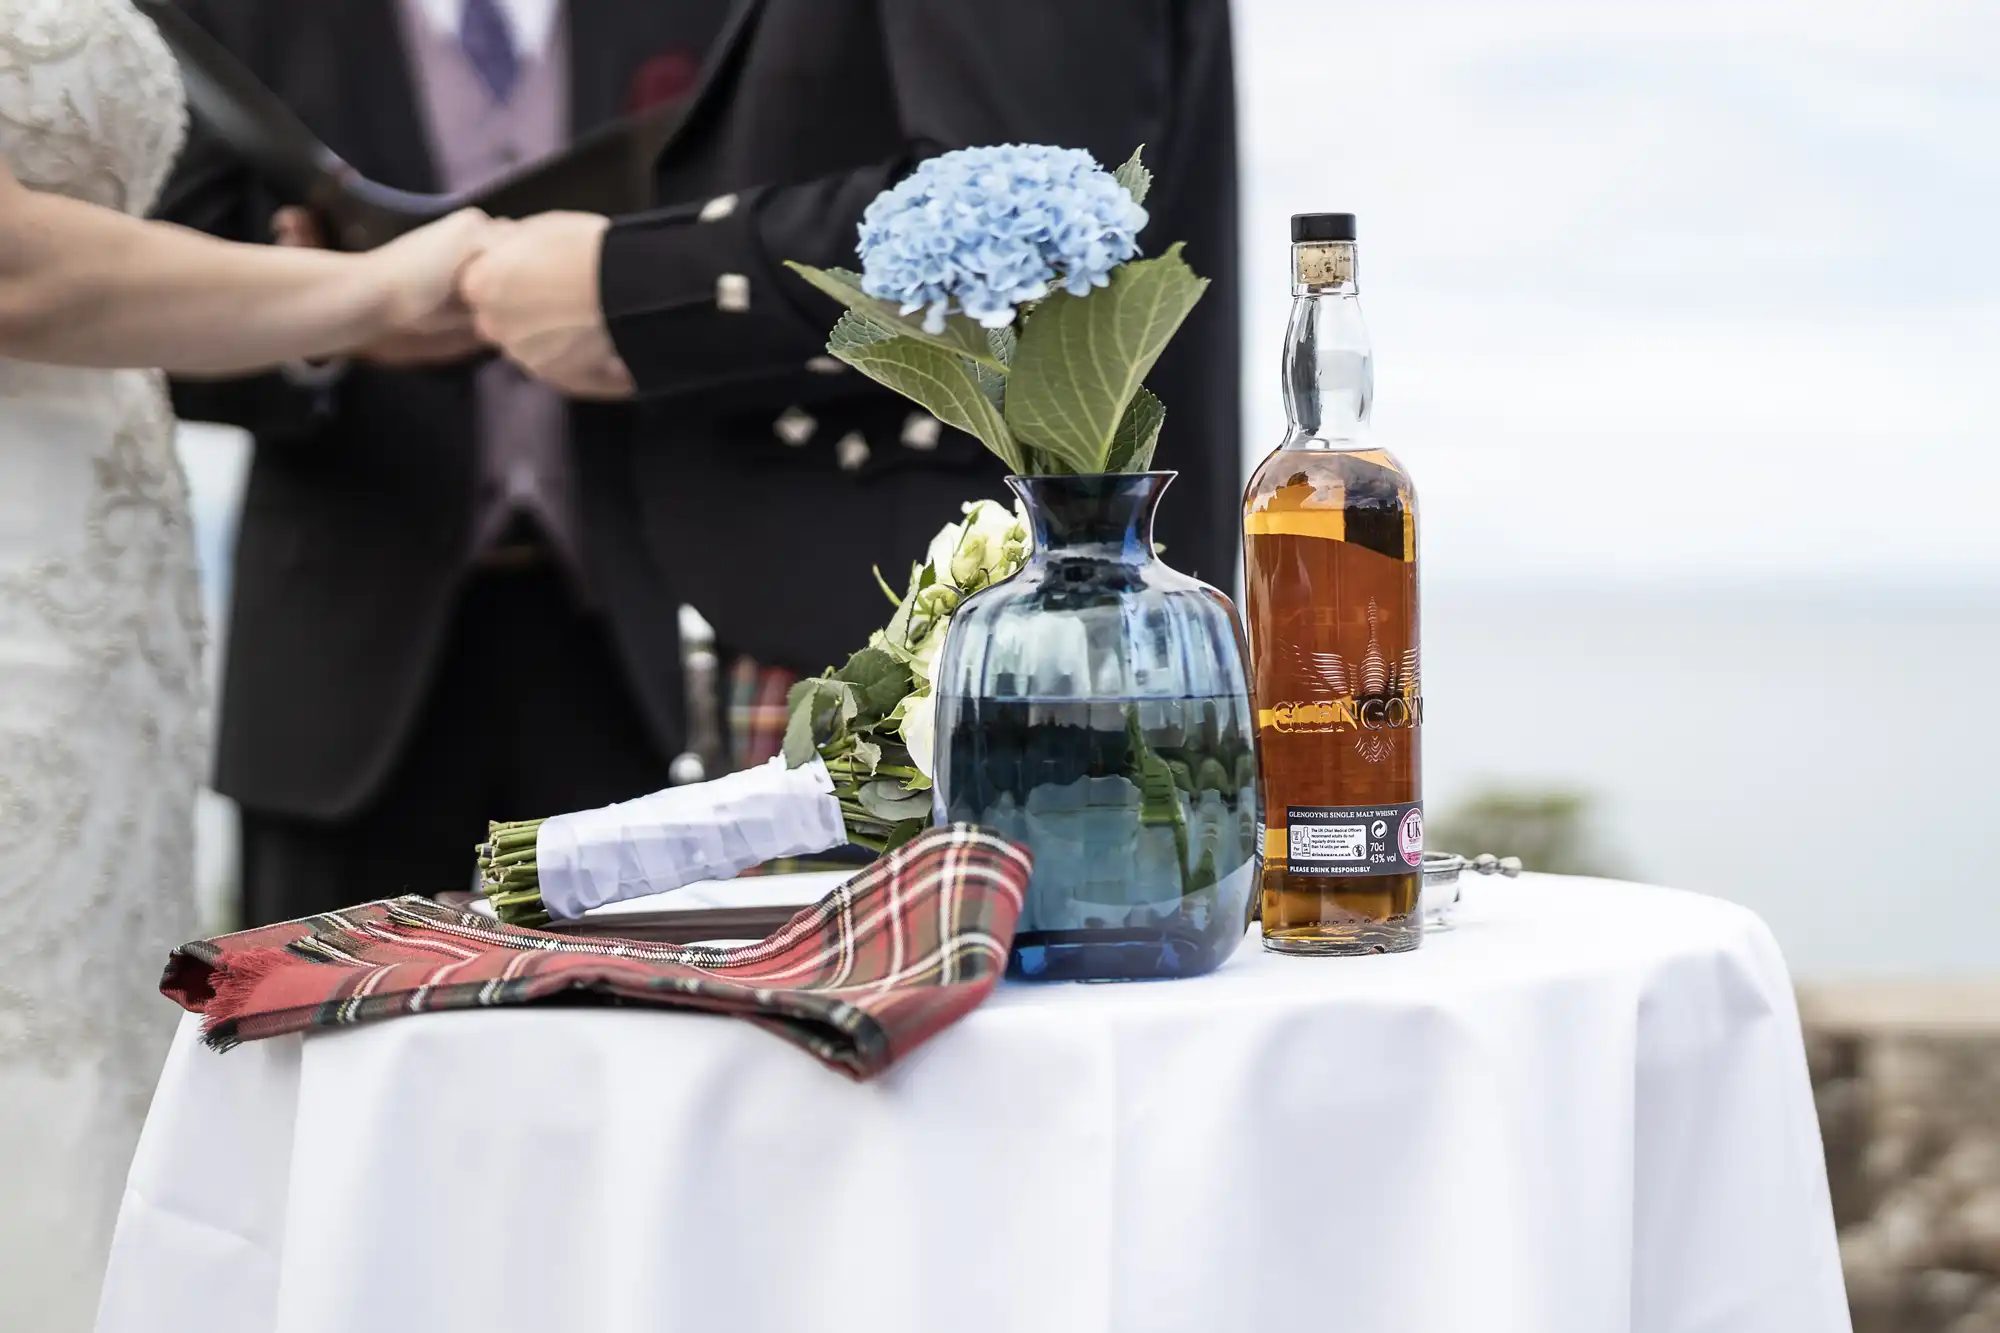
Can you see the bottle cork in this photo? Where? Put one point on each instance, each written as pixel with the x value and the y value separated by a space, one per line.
pixel 1323 264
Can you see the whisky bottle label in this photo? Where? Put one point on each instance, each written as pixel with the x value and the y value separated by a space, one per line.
pixel 1354 839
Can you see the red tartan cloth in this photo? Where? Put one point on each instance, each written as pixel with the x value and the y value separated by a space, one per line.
pixel 876 968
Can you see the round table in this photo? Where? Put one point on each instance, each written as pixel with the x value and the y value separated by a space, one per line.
pixel 1585 1108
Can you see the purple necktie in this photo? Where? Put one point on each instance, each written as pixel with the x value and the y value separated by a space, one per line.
pixel 489 44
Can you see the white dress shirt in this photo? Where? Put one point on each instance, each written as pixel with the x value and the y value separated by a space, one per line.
pixel 530 21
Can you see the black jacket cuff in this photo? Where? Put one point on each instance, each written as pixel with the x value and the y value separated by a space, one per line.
pixel 693 302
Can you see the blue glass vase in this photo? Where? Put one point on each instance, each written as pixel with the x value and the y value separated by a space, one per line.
pixel 1095 709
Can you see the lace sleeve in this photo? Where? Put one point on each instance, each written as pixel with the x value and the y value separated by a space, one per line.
pixel 90 100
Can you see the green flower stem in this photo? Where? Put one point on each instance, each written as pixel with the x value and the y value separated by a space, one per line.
pixel 522 856
pixel 508 872
pixel 865 830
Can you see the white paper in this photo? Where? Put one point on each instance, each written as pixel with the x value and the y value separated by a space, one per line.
pixel 709 830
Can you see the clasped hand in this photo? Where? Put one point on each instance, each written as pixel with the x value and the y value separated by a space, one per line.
pixel 527 290
pixel 533 296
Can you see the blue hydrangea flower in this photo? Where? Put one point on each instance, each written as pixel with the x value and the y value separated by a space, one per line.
pixel 982 230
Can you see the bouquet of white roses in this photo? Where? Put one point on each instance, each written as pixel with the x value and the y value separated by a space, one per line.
pixel 856 768
pixel 871 721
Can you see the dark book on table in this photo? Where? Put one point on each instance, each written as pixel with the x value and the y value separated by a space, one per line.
pixel 608 171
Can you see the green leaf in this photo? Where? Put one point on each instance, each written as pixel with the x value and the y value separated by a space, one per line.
pixel 993 379
pixel 857 328
pixel 827 706
pixel 879 681
pixel 993 384
pixel 800 747
pixel 1138 181
pixel 887 801
pixel 1159 796
pixel 1082 359
pixel 961 336
pixel 844 707
pixel 896 762
pixel 867 756
pixel 866 667
pixel 817 711
pixel 943 383
pixel 1203 876
pixel 1003 341
pixel 1138 434
pixel 1159 799
pixel 904 832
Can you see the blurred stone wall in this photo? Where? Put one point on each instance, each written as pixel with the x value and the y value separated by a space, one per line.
pixel 1907 1078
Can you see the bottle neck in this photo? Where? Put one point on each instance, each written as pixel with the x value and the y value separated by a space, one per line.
pixel 1108 515
pixel 1329 366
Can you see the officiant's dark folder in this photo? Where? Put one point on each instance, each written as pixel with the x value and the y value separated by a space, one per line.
pixel 608 171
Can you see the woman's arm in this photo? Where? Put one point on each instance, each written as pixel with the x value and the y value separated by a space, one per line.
pixel 88 286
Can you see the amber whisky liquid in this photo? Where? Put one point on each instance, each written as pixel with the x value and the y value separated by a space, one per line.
pixel 1330 573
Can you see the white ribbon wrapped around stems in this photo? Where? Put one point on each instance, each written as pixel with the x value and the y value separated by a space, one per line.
pixel 710 830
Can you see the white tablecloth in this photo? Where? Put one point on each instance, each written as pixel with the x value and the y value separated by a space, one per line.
pixel 1585 1109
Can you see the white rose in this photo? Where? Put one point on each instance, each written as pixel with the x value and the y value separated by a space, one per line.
pixel 990 545
pixel 970 560
pixel 894 638
pixel 924 656
pixel 989 530
pixel 919 731
pixel 943 547
pixel 993 521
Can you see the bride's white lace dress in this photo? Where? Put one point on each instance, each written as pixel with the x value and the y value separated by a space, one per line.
pixel 101 731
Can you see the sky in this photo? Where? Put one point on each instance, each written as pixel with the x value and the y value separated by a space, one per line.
pixel 1663 293
pixel 1659 293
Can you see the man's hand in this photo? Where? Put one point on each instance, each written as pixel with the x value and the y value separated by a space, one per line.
pixel 533 294
pixel 444 338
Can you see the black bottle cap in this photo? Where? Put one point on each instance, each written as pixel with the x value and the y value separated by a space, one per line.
pixel 1322 227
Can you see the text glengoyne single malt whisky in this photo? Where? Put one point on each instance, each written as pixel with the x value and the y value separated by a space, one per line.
pixel 1330 572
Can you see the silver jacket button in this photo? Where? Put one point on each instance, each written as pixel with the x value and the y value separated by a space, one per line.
pixel 852 451
pixel 718 208
pixel 732 293
pixel 795 427
pixel 922 431
pixel 826 365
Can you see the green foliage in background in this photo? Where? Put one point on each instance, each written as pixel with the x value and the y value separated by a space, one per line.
pixel 1553 831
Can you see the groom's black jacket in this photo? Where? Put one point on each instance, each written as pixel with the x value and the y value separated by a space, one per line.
pixel 354 533
pixel 811 107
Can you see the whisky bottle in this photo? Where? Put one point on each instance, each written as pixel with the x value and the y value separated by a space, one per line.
pixel 1330 573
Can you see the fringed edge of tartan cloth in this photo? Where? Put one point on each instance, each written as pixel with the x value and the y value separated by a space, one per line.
pixel 862 978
